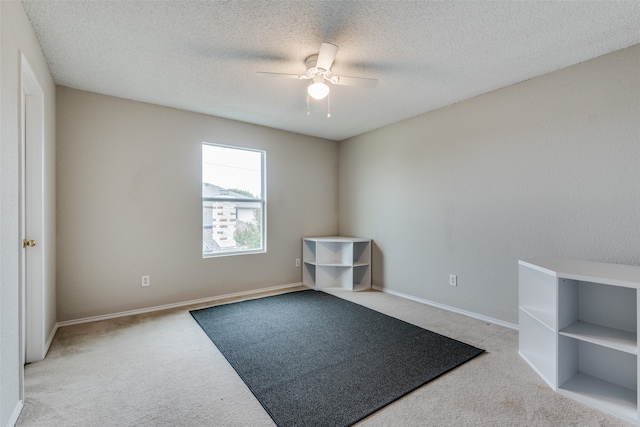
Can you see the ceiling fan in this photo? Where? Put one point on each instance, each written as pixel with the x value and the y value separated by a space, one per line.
pixel 319 72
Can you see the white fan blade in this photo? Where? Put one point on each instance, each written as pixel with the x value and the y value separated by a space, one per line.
pixel 354 81
pixel 288 76
pixel 326 56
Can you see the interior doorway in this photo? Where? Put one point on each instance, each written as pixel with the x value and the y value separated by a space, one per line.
pixel 32 314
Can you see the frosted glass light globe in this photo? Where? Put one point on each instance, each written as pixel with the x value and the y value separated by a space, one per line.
pixel 318 90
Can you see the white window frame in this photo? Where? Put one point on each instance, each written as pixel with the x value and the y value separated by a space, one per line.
pixel 262 200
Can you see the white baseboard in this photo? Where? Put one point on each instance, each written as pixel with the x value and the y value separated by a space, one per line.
pixel 16 413
pixel 448 308
pixel 169 306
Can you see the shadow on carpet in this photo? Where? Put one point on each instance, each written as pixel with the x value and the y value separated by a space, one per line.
pixel 316 360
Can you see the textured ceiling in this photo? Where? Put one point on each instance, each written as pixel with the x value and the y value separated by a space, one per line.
pixel 203 55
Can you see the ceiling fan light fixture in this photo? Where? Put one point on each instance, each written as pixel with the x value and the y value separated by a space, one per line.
pixel 318 89
pixel 320 74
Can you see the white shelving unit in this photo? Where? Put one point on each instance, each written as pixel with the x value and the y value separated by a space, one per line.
pixel 336 262
pixel 579 330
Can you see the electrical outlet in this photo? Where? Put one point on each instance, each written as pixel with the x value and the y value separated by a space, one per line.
pixel 453 280
pixel 145 281
pixel 297 262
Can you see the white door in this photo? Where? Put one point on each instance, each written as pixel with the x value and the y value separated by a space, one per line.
pixel 32 331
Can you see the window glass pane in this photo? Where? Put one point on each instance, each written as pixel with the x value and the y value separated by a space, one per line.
pixel 232 200
pixel 233 169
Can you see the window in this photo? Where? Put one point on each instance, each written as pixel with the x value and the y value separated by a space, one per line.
pixel 233 200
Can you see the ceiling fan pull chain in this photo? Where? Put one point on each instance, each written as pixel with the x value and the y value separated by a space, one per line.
pixel 329 105
pixel 308 112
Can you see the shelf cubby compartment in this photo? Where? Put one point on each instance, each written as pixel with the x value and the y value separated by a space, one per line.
pixel 309 274
pixel 334 253
pixel 599 376
pixel 328 276
pixel 309 251
pixel 361 253
pixel 606 305
pixel 361 277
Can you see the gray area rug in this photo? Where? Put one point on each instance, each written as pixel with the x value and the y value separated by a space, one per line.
pixel 313 359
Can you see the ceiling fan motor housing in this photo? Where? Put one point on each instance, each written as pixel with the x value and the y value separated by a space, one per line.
pixel 316 73
pixel 312 70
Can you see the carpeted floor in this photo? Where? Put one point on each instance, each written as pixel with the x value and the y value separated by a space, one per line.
pixel 160 369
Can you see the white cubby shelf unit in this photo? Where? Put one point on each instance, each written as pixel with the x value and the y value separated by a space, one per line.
pixel 336 262
pixel 579 330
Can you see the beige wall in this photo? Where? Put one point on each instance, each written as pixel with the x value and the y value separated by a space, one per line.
pixel 16 37
pixel 548 167
pixel 129 204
